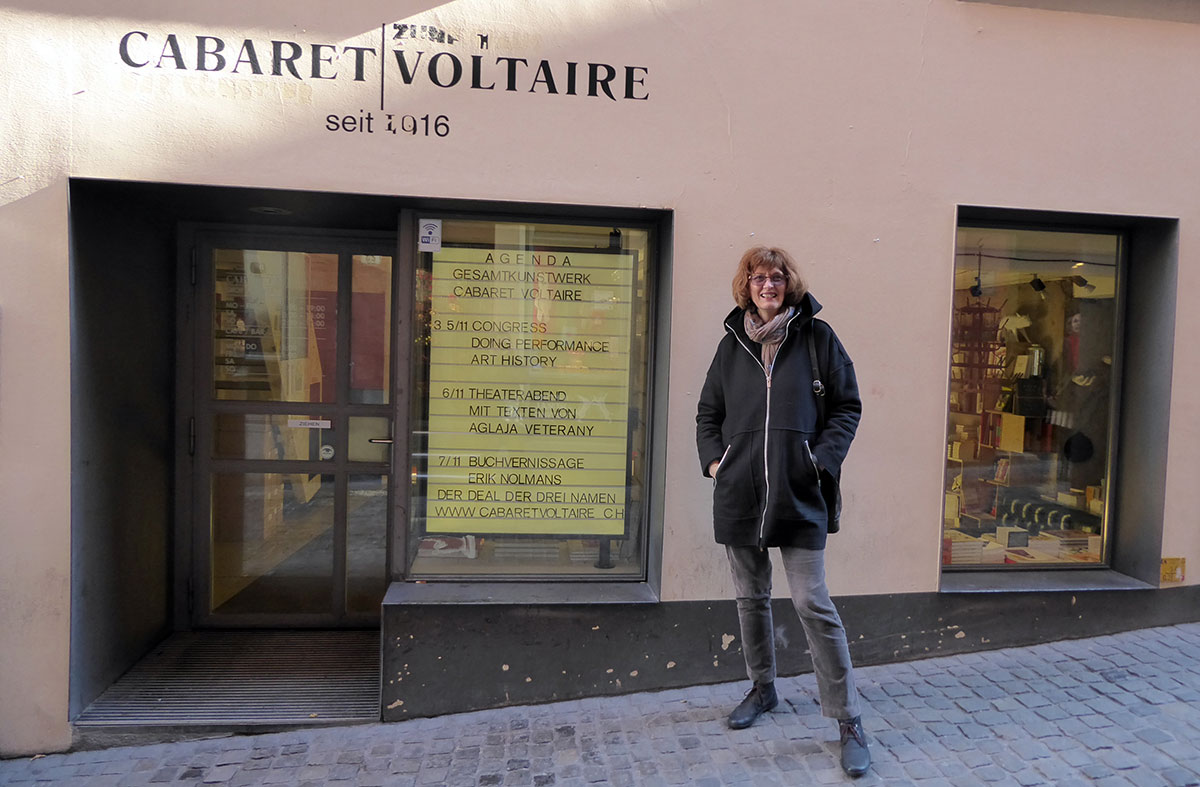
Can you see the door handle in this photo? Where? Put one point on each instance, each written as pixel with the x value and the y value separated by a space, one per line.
pixel 380 440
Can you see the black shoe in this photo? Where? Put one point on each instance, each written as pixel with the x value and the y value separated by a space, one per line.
pixel 856 757
pixel 759 700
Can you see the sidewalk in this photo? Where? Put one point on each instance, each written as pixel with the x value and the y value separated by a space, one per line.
pixel 1115 710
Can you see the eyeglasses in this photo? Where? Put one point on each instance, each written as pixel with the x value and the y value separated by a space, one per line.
pixel 759 280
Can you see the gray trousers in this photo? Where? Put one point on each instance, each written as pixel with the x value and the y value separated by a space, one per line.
pixel 823 628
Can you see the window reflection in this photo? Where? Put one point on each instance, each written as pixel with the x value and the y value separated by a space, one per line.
pixel 370 328
pixel 272 543
pixel 274 325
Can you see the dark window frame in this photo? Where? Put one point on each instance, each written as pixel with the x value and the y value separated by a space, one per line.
pixel 1138 476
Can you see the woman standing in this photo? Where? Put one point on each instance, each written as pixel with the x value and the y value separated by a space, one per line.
pixel 769 445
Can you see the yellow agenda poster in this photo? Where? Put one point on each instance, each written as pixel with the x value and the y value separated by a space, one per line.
pixel 529 392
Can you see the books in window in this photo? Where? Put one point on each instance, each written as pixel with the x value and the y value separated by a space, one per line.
pixel 1003 468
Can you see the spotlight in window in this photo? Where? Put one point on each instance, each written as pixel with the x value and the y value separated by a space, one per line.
pixel 1083 284
pixel 614 239
pixel 1038 286
pixel 977 288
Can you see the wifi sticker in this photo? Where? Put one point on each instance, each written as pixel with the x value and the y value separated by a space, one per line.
pixel 429 235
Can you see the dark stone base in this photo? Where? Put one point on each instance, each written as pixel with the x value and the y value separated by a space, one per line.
pixel 449 658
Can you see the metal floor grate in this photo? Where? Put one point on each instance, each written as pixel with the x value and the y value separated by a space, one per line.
pixel 221 678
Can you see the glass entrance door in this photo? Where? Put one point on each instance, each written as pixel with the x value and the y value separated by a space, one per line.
pixel 293 428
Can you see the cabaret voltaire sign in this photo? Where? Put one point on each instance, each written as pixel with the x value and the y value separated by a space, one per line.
pixel 406 55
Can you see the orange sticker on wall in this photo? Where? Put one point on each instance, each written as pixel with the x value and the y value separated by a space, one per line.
pixel 1172 569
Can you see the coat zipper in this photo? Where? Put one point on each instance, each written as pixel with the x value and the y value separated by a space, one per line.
pixel 812 459
pixel 762 522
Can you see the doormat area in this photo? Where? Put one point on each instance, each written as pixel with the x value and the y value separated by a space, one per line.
pixel 246 678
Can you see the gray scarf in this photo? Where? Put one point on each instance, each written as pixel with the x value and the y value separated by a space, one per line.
pixel 769 335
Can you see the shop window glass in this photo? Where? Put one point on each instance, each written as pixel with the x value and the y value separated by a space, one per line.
pixel 1033 373
pixel 530 420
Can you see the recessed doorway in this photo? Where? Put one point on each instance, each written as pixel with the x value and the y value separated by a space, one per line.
pixel 139 586
pixel 290 427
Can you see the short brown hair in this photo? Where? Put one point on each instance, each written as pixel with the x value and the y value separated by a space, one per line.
pixel 767 257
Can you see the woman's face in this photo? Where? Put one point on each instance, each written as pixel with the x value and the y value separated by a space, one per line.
pixel 767 288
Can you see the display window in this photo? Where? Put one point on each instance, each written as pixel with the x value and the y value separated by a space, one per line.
pixel 1032 398
pixel 531 400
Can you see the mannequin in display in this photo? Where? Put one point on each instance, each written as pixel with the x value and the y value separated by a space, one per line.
pixel 1080 409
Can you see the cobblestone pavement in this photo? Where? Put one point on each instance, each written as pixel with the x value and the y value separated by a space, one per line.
pixel 1114 710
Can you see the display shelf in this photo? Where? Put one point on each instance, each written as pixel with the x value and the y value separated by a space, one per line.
pixel 977 358
pixel 967 497
pixel 955 501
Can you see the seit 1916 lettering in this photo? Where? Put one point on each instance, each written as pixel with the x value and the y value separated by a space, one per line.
pixel 366 122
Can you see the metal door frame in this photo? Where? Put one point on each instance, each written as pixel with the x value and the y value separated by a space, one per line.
pixel 195 408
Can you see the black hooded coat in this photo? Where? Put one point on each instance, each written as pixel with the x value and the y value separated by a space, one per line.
pixel 765 432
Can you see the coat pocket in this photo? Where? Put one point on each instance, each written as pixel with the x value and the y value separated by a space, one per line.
pixel 812 458
pixel 798 493
pixel 734 494
pixel 721 463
